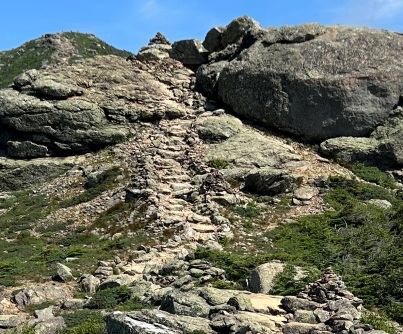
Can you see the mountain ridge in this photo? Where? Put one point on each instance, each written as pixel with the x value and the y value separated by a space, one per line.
pixel 50 49
pixel 190 206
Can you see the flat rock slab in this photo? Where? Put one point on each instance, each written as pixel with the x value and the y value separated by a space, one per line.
pixel 250 149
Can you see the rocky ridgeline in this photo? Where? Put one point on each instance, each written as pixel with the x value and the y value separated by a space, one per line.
pixel 168 140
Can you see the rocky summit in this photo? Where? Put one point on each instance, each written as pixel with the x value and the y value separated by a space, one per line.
pixel 247 183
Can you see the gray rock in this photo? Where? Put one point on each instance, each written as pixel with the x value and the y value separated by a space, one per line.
pixel 9 321
pixel 380 203
pixel 50 326
pixel 237 28
pixel 73 303
pixel 313 81
pixel 219 128
pixel 305 193
pixel 26 149
pixel 212 41
pixel 383 148
pixel 157 49
pixel 189 52
pixel 140 289
pixel 305 316
pixel 153 52
pixel 185 303
pixel 270 181
pixel 154 321
pixel 89 283
pixel 215 296
pixel 261 278
pixel 44 314
pixel 351 149
pixel 292 304
pixel 64 272
pixel 68 110
pixel 26 78
pixel 52 88
pixel 19 174
pixel 114 281
pixel 248 150
pixel 241 303
pixel 321 315
pixel 343 306
pixel 302 328
pixel 41 294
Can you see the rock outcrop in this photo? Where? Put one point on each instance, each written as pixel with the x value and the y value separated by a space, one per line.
pixel 81 108
pixel 313 81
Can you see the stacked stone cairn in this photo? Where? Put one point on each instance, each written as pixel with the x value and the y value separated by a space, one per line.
pixel 326 306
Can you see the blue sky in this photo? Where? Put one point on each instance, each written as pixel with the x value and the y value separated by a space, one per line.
pixel 130 24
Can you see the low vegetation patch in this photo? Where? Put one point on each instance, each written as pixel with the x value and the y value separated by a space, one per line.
pixel 84 322
pixel 380 321
pixel 374 175
pixel 109 298
pixel 219 163
pixel 362 241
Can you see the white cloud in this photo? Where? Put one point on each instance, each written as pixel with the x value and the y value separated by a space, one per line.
pixel 372 12
pixel 150 9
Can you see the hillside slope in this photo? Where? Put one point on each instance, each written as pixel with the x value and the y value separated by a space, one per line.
pixel 196 221
pixel 50 49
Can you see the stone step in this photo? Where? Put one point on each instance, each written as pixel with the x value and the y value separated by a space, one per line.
pixel 176 178
pixel 194 217
pixel 169 154
pixel 166 162
pixel 203 228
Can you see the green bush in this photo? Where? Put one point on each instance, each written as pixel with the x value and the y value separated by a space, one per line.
pixel 82 316
pixel 250 210
pixel 362 242
pixel 379 321
pixel 237 267
pixel 373 174
pixel 23 330
pixel 219 163
pixel 31 308
pixel 109 298
pixel 285 284
pixel 88 326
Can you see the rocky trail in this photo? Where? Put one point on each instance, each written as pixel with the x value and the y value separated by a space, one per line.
pixel 141 163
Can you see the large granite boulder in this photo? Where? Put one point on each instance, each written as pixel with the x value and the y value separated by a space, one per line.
pixel 261 279
pixel 189 52
pixel 313 81
pixel 218 38
pixel 155 321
